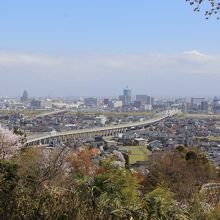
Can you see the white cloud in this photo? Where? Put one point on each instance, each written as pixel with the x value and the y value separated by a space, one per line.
pixel 21 58
pixel 197 57
pixel 186 62
pixel 94 72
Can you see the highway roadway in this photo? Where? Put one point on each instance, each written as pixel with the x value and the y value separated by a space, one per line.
pixel 159 117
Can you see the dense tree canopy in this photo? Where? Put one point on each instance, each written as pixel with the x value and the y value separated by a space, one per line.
pixel 65 183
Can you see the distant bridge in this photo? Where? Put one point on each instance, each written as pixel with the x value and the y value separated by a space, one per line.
pixel 91 132
pixel 50 113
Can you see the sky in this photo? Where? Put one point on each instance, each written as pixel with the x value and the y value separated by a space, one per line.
pixel 98 47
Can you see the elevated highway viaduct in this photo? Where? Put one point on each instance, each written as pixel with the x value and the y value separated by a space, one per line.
pixel 100 131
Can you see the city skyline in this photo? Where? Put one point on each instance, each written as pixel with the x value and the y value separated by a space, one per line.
pixel 134 96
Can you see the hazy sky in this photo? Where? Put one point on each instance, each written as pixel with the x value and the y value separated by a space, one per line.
pixel 97 47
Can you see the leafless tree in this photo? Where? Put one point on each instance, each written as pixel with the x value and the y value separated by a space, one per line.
pixel 200 5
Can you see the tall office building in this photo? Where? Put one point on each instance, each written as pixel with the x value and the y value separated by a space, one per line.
pixel 36 104
pixel 196 103
pixel 91 102
pixel 106 102
pixel 216 105
pixel 24 97
pixel 152 101
pixel 127 96
pixel 144 99
pixel 204 106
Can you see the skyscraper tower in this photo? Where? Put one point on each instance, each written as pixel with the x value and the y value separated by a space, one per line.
pixel 24 97
pixel 127 96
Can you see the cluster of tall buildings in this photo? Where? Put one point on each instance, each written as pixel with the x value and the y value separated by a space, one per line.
pixel 126 101
pixel 141 101
pixel 203 105
pixel 199 104
pixel 144 101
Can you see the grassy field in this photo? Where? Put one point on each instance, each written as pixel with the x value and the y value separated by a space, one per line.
pixel 211 138
pixel 26 113
pixel 6 112
pixel 199 116
pixel 214 138
pixel 33 113
pixel 136 153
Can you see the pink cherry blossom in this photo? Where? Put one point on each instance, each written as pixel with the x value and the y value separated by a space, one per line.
pixel 10 144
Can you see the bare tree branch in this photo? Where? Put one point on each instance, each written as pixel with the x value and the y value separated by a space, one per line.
pixel 212 10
